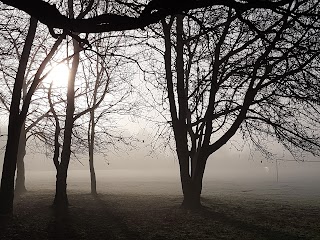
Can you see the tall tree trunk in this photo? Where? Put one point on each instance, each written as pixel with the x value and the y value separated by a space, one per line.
pixel 14 127
pixel 61 198
pixel 20 179
pixel 91 140
pixel 93 177
pixel 191 175
pixel 91 152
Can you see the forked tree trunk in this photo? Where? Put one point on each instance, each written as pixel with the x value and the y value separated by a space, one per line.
pixel 20 187
pixel 191 181
pixel 61 198
pixel 14 127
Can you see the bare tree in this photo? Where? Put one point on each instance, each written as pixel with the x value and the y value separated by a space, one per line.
pixel 108 99
pixel 226 72
pixel 101 81
pixel 14 128
pixel 17 116
pixel 13 43
pixel 10 55
pixel 260 56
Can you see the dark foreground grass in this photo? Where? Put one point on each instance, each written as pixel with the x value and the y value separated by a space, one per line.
pixel 124 216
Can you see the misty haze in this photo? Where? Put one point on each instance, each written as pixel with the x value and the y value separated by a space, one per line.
pixel 136 171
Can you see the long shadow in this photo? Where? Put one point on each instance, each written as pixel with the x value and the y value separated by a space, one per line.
pixel 89 224
pixel 5 221
pixel 61 225
pixel 118 224
pixel 264 231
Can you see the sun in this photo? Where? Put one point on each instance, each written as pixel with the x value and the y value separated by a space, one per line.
pixel 58 76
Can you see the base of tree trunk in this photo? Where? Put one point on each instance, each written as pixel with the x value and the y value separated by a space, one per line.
pixel 94 193
pixel 20 190
pixel 60 203
pixel 61 197
pixel 6 204
pixel 191 203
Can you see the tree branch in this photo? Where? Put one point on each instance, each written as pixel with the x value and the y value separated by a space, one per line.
pixel 154 11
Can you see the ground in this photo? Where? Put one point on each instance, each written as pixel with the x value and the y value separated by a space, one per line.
pixel 140 216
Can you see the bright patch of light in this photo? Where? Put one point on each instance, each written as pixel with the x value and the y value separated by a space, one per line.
pixel 58 76
pixel 266 169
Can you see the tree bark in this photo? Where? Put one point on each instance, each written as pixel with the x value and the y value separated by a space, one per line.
pixel 191 178
pixel 93 178
pixel 91 151
pixel 20 187
pixel 14 127
pixel 190 173
pixel 20 179
pixel 91 140
pixel 61 198
pixel 61 201
pixel 191 193
pixel 192 184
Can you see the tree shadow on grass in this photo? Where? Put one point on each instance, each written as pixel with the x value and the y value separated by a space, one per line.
pixel 241 223
pixel 92 221
pixel 5 223
pixel 117 223
pixel 61 225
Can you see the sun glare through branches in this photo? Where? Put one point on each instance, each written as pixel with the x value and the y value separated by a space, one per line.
pixel 58 76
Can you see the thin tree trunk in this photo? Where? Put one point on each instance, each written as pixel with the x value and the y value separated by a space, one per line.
pixel 93 177
pixel 93 180
pixel 61 198
pixel 56 151
pixel 20 187
pixel 91 140
pixel 20 179
pixel 14 127
pixel 91 152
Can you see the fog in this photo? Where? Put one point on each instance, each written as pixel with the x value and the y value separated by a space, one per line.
pixel 137 171
pixel 227 172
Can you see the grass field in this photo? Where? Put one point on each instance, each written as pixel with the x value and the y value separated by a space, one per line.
pixel 130 213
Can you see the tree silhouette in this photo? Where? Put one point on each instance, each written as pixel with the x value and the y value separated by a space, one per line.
pixel 247 66
pixel 150 13
pixel 14 128
pixel 13 37
pixel 254 73
pixel 17 117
